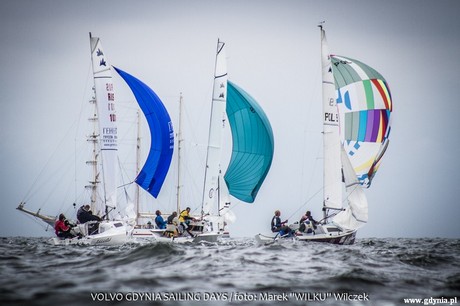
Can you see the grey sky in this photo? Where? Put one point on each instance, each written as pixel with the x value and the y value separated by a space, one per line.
pixel 273 53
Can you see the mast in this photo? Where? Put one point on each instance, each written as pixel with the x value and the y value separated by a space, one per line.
pixel 179 142
pixel 93 138
pixel 218 194
pixel 138 161
pixel 332 168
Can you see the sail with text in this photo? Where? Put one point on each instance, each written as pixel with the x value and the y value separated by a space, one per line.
pixel 365 106
pixel 155 169
pixel 105 100
pixel 337 164
pixel 253 145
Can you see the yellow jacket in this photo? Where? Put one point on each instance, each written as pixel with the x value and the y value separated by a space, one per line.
pixel 184 215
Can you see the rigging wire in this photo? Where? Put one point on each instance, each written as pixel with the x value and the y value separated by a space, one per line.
pixel 306 202
pixel 47 163
pixel 84 102
pixel 40 223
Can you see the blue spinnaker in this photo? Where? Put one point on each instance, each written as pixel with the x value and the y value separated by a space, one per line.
pixel 253 145
pixel 154 171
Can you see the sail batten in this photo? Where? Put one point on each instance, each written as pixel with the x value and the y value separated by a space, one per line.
pixel 155 169
pixel 253 145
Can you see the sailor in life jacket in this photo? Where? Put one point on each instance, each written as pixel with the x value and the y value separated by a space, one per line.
pixel 184 220
pixel 84 214
pixel 171 225
pixel 159 221
pixel 307 223
pixel 278 226
pixel 62 228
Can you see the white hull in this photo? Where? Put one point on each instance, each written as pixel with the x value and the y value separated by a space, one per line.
pixel 210 229
pixel 147 233
pixel 110 233
pixel 158 235
pixel 324 233
pixel 207 237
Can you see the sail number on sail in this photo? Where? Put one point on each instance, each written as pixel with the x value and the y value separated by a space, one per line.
pixel 329 117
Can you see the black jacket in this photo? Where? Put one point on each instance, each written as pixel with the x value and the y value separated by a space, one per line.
pixel 84 216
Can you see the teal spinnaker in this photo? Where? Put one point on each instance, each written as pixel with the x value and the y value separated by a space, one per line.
pixel 253 145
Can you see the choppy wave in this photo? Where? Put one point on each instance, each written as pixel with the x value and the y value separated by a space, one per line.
pixel 385 271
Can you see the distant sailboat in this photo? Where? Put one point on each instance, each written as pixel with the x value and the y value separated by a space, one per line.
pixel 356 112
pixel 104 162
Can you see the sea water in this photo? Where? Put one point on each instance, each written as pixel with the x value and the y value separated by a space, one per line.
pixel 231 272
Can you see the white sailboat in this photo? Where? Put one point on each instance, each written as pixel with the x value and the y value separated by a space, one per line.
pixel 205 227
pixel 252 150
pixel 211 195
pixel 149 231
pixel 355 136
pixel 252 154
pixel 104 164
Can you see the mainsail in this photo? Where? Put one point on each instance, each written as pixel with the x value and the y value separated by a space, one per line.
pixel 253 145
pixel 337 166
pixel 216 127
pixel 332 194
pixel 154 171
pixel 365 105
pixel 105 98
